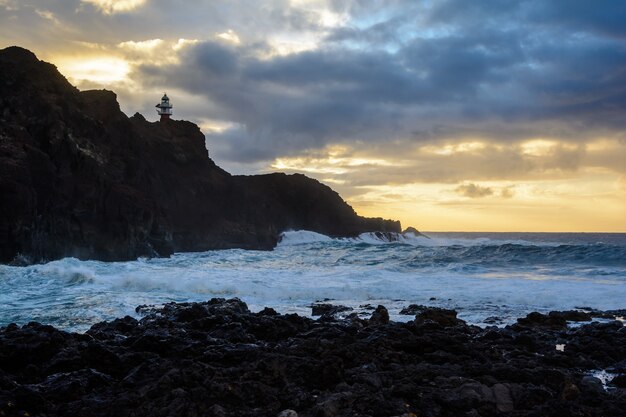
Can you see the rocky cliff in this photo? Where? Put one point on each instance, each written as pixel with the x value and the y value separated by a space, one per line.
pixel 80 178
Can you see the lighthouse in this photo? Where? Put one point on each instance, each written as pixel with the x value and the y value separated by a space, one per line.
pixel 164 108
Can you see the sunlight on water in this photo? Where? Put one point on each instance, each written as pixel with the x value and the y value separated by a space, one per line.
pixel 506 276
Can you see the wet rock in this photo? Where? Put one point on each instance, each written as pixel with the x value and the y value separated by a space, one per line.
pixel 333 405
pixel 550 321
pixel 413 309
pixel 493 320
pixel 287 413
pixel 503 398
pixel 216 411
pixel 570 392
pixel 267 311
pixel 619 381
pixel 413 231
pixel 571 315
pixel 73 385
pixel 443 317
pixel 475 391
pixel 146 309
pixel 591 383
pixel 233 306
pixel 321 309
pixel 216 358
pixel 379 317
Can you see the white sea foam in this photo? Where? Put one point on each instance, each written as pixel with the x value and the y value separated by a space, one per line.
pixel 471 277
pixel 298 237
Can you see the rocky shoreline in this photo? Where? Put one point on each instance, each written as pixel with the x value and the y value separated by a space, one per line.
pixel 218 359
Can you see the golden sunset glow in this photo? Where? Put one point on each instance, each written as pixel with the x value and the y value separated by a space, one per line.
pixel 545 206
pixel 104 70
pixel 552 199
pixel 332 162
pixel 141 46
pixel 463 147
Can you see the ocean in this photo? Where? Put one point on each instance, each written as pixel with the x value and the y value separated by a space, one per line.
pixel 489 278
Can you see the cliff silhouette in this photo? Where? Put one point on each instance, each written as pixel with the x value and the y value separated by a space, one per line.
pixel 79 178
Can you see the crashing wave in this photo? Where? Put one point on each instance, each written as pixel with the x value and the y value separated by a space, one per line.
pixel 301 237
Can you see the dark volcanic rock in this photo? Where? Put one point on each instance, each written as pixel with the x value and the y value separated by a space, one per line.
pixel 553 320
pixel 437 315
pixel 79 178
pixel 320 309
pixel 413 231
pixel 413 309
pixel 440 316
pixel 619 381
pixel 572 315
pixel 218 359
pixel 380 316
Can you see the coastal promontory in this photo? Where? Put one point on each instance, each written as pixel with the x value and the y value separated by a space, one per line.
pixel 79 178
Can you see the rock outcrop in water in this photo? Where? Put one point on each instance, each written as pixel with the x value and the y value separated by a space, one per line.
pixel 218 359
pixel 79 178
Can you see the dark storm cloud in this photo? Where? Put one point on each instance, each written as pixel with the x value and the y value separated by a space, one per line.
pixel 82 21
pixel 455 76
pixel 604 17
pixel 600 17
pixel 397 71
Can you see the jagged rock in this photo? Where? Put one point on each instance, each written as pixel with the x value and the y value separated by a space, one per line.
pixel 321 309
pixel 413 231
pixel 287 413
pixel 493 320
pixel 619 381
pixel 503 398
pixel 570 392
pixel 592 383
pixel 79 178
pixel 550 321
pixel 268 311
pixel 216 358
pixel 380 316
pixel 571 315
pixel 440 316
pixel 413 309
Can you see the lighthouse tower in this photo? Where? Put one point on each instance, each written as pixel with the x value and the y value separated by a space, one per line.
pixel 164 108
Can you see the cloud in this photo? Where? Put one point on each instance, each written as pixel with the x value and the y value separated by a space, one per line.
pixel 371 96
pixel 495 82
pixel 48 15
pixel 473 191
pixel 115 6
pixel 604 18
pixel 507 192
pixel 367 74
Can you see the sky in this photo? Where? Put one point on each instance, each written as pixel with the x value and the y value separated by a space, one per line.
pixel 449 115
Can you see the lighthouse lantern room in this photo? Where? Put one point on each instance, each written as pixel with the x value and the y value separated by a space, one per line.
pixel 164 108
